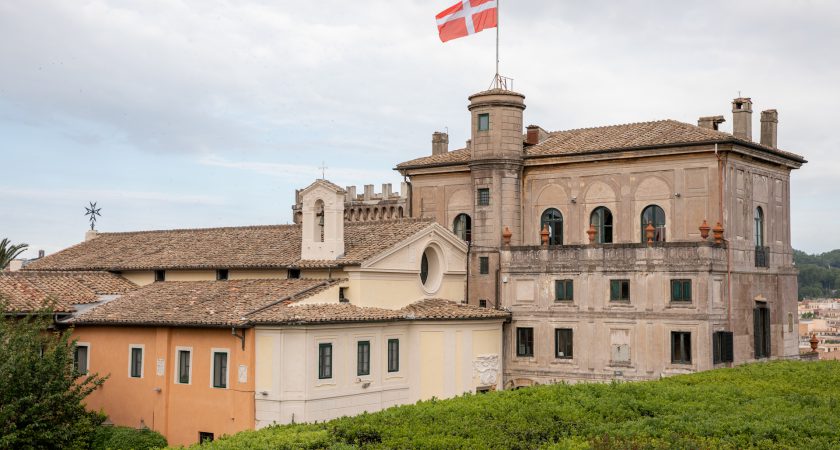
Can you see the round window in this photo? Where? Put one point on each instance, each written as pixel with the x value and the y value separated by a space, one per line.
pixel 424 268
pixel 431 272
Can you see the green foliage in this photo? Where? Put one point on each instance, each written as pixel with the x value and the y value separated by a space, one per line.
pixel 8 252
pixel 784 404
pixel 125 438
pixel 819 275
pixel 40 391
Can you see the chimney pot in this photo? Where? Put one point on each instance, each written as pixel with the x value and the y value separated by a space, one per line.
pixel 41 254
pixel 368 192
pixel 770 128
pixel 742 118
pixel 440 143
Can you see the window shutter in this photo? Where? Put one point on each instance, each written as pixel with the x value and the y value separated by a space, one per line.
pixel 675 290
pixel 569 290
pixel 757 332
pixel 766 329
pixel 716 347
pixel 686 290
pixel 728 347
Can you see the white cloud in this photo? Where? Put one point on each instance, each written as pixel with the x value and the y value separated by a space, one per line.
pixel 84 195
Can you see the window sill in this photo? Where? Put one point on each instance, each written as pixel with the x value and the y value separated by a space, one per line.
pixel 619 304
pixel 682 305
pixel 564 303
pixel 622 364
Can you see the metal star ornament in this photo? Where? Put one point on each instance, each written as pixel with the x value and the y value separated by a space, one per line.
pixel 93 212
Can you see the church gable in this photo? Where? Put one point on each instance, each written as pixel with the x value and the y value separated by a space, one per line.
pixel 406 255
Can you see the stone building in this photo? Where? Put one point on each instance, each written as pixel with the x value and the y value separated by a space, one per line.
pixel 367 206
pixel 598 241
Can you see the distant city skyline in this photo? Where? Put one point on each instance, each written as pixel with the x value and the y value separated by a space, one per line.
pixel 205 114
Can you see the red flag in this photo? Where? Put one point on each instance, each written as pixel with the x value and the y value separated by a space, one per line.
pixel 466 17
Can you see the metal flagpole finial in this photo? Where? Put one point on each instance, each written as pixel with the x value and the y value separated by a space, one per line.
pixel 93 212
pixel 323 168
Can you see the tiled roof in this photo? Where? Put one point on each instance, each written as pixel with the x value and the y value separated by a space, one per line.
pixel 199 303
pixel 31 291
pixel 609 138
pixel 460 156
pixel 271 246
pixel 258 302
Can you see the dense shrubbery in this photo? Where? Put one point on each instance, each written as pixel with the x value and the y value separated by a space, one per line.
pixel 125 438
pixel 819 275
pixel 783 404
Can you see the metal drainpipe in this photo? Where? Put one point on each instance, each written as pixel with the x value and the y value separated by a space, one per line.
pixel 469 247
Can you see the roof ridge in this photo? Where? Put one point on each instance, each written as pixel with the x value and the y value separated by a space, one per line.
pixel 601 127
pixel 183 230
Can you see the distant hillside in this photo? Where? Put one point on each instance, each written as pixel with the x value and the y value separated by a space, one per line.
pixel 819 275
pixel 783 404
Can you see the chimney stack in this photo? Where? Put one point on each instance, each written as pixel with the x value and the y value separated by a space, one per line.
pixel 535 134
pixel 710 122
pixel 440 143
pixel 769 128
pixel 41 254
pixel 742 118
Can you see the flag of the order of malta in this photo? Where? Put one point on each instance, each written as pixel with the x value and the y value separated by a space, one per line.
pixel 466 17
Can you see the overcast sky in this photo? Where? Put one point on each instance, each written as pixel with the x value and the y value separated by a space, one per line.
pixel 209 113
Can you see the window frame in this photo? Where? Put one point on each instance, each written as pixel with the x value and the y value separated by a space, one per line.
pixel 177 371
pixel 525 343
pixel 393 355
pixel 462 227
pixel 482 303
pixel 758 231
pixel 86 345
pixel 213 353
pixel 682 283
pixel 659 234
pixel 762 346
pixel 131 362
pixel 603 213
pixel 555 225
pixel 620 297
pixel 360 362
pixel 205 436
pixel 723 348
pixel 160 276
pixel 483 265
pixel 482 196
pixel 222 274
pixel 567 287
pixel 483 122
pixel 682 339
pixel 324 368
pixel 569 343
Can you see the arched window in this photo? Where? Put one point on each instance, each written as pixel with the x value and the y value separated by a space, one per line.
pixel 319 221
pixel 554 220
pixel 602 220
pixel 462 227
pixel 759 227
pixel 655 216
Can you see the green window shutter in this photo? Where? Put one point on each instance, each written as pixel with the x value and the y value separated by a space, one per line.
pixel 687 290
pixel 728 347
pixel 615 290
pixel 757 333
pixel 675 291
pixel 570 290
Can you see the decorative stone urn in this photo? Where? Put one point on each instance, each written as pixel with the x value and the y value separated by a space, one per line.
pixel 704 230
pixel 544 234
pixel 506 234
pixel 718 232
pixel 814 342
pixel 591 232
pixel 649 232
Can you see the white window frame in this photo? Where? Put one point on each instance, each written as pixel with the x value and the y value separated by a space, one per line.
pixel 142 348
pixel 87 358
pixel 177 365
pixel 213 352
pixel 333 379
pixel 401 338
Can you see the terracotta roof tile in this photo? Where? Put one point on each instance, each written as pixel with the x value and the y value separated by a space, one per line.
pixel 30 291
pixel 271 246
pixel 199 303
pixel 441 309
pixel 461 156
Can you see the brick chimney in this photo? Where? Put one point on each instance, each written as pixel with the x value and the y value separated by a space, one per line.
pixel 769 128
pixel 440 143
pixel 535 134
pixel 742 118
pixel 710 122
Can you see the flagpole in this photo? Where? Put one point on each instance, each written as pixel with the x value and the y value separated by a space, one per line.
pixel 498 23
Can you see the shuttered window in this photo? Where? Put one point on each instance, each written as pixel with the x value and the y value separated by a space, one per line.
pixel 324 361
pixel 761 331
pixel 722 347
pixel 524 342
pixel 393 355
pixel 563 343
pixel 680 347
pixel 681 290
pixel 220 369
pixel 363 358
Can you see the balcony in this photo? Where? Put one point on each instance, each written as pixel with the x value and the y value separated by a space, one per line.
pixel 762 256
pixel 663 256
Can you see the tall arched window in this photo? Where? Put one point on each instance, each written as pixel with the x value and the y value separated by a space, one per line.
pixel 462 227
pixel 319 221
pixel 554 220
pixel 602 220
pixel 655 216
pixel 759 227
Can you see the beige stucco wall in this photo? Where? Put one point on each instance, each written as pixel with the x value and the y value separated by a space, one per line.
pixel 436 359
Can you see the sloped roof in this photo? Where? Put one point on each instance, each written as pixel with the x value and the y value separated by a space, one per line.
pixel 258 302
pixel 199 303
pixel 31 291
pixel 609 138
pixel 270 246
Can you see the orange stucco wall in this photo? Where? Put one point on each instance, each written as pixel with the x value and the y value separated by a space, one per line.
pixel 178 411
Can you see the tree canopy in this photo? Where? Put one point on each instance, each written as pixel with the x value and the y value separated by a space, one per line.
pixel 819 275
pixel 8 252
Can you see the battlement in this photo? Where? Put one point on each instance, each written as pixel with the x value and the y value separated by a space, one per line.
pixel 366 204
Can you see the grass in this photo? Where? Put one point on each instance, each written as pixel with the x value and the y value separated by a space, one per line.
pixel 784 404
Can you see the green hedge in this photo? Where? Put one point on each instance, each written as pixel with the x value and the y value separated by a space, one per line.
pixel 125 438
pixel 785 404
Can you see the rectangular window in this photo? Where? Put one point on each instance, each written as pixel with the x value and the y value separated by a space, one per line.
pixel 80 358
pixel 363 358
pixel 221 274
pixel 184 363
pixel 619 290
pixel 136 362
pixel 524 342
pixel 563 290
pixel 483 122
pixel 160 275
pixel 482 303
pixel 293 273
pixel 324 361
pixel 483 265
pixel 761 331
pixel 393 355
pixel 681 290
pixel 204 436
pixel 342 295
pixel 722 347
pixel 680 347
pixel 563 344
pixel 220 369
pixel 483 196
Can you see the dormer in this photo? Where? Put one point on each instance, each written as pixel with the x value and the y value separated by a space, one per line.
pixel 322 236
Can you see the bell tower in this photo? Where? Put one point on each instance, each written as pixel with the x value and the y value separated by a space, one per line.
pixel 322 234
pixel 496 168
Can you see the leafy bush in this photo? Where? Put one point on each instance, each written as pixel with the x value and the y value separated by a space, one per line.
pixel 125 438
pixel 784 404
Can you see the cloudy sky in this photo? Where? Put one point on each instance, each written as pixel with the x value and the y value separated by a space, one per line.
pixel 210 113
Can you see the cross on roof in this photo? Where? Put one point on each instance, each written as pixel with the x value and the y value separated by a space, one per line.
pixel 323 168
